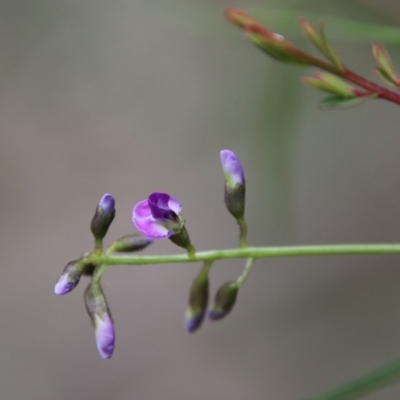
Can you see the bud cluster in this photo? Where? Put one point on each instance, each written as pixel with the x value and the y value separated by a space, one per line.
pixel 157 217
pixel 94 298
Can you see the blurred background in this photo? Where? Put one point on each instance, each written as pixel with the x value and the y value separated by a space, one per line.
pixel 129 97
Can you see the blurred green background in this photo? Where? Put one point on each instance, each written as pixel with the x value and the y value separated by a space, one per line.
pixel 129 97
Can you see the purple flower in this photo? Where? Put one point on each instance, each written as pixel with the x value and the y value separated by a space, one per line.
pixel 158 217
pixel 99 313
pixel 233 170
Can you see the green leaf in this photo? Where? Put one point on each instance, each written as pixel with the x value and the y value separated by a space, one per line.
pixel 332 102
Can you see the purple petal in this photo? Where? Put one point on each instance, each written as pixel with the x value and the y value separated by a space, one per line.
pixel 63 286
pixel 107 203
pixel 141 210
pixel 145 223
pixel 105 336
pixel 174 205
pixel 194 321
pixel 232 167
pixel 160 208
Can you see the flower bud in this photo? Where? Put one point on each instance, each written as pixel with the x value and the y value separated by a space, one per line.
pixel 99 313
pixel 198 301
pixel 331 84
pixel 235 187
pixel 270 42
pixel 70 277
pixel 103 217
pixel 385 68
pixel 130 243
pixel 224 301
pixel 322 43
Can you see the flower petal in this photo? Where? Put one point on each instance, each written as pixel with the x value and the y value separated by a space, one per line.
pixel 105 335
pixel 159 207
pixel 141 210
pixel 174 205
pixel 107 203
pixel 145 223
pixel 63 286
pixel 152 229
pixel 232 167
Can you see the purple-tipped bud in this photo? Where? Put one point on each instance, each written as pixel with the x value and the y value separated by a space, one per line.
pixel 99 313
pixel 130 243
pixel 103 217
pixel 159 217
pixel 224 301
pixel 235 186
pixel 198 301
pixel 70 277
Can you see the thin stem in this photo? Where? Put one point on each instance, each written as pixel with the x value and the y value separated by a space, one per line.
pixel 246 272
pixel 243 232
pixel 382 92
pixel 367 384
pixel 191 251
pixel 98 246
pixel 249 252
pixel 205 269
pixel 98 272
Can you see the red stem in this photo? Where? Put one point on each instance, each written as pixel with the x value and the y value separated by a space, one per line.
pixel 350 76
pixel 382 92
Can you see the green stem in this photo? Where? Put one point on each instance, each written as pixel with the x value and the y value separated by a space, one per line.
pixel 249 252
pixel 367 384
pixel 243 232
pixel 246 272
pixel 98 246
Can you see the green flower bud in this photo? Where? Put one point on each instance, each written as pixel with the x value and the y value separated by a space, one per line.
pixel 235 187
pixel 103 217
pixel 70 277
pixel 130 243
pixel 385 68
pixel 224 301
pixel 198 301
pixel 99 313
pixel 331 84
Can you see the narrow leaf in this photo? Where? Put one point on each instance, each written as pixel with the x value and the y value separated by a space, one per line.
pixel 332 102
